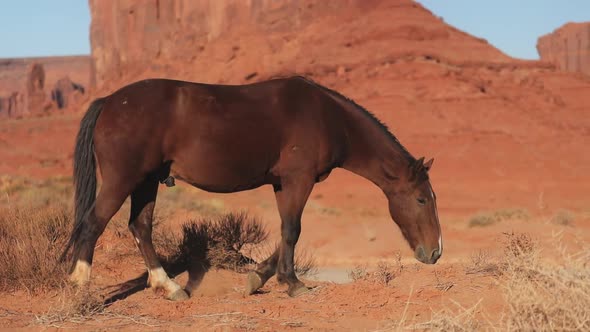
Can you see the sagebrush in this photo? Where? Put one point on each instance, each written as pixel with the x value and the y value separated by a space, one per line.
pixel 30 246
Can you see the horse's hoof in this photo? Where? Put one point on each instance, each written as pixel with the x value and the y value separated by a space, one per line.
pixel 254 283
pixel 179 295
pixel 298 290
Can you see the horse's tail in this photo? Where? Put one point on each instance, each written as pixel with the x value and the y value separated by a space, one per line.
pixel 85 181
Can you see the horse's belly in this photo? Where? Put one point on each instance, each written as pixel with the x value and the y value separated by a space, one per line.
pixel 223 176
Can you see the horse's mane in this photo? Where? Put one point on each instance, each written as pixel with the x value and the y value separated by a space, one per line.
pixel 382 126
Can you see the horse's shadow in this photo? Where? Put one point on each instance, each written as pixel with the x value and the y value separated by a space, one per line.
pixel 196 273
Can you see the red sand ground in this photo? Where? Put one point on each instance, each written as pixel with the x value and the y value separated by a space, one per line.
pixel 504 134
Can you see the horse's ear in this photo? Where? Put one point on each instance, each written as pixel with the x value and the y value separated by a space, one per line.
pixel 428 164
pixel 418 163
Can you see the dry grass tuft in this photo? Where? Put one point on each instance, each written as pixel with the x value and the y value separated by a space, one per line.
pixel 75 306
pixel 488 218
pixel 563 217
pixel 518 245
pixel 357 273
pixel 460 320
pixel 81 309
pixel 30 246
pixel 383 274
pixel 481 263
pixel 441 285
pixel 540 295
pixel 543 295
pixel 305 263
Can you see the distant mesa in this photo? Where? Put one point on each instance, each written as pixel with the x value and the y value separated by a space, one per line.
pixel 568 47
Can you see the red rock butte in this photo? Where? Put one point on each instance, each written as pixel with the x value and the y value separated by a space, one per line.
pixel 568 47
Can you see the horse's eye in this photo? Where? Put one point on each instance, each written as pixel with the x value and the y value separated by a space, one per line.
pixel 421 201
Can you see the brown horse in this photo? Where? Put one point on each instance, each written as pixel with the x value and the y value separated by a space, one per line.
pixel 288 133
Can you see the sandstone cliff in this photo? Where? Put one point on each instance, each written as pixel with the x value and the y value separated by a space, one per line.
pixel 568 47
pixel 235 41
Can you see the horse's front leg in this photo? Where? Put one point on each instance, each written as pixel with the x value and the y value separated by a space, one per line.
pixel 291 200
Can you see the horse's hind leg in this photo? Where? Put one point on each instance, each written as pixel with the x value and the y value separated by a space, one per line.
pixel 143 200
pixel 108 202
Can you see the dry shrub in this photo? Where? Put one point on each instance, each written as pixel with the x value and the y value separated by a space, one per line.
pixel 305 263
pixel 460 320
pixel 357 273
pixel 222 243
pixel 540 295
pixel 83 309
pixel 488 218
pixel 228 235
pixel 30 247
pixel 519 245
pixel 543 295
pixel 383 274
pixel 481 263
pixel 74 306
pixel 563 217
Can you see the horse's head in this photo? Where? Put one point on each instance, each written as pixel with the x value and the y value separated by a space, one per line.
pixel 412 204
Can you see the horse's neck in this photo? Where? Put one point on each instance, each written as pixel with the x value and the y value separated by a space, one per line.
pixel 372 153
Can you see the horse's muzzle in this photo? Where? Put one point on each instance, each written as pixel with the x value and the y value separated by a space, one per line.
pixel 431 258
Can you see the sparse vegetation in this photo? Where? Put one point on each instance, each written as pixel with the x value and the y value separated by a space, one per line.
pixel 225 242
pixel 36 194
pixel 459 320
pixel 440 284
pixel 545 295
pixel 76 307
pixel 563 217
pixel 358 273
pixel 383 274
pixel 30 245
pixel 488 218
pixel 482 263
pixel 540 295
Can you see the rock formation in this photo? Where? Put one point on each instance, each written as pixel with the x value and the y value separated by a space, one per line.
pixel 12 105
pixel 568 47
pixel 35 93
pixel 226 40
pixel 25 82
pixel 66 92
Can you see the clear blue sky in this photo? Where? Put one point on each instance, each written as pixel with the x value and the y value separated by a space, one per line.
pixel 44 27
pixel 513 26
pixel 58 27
